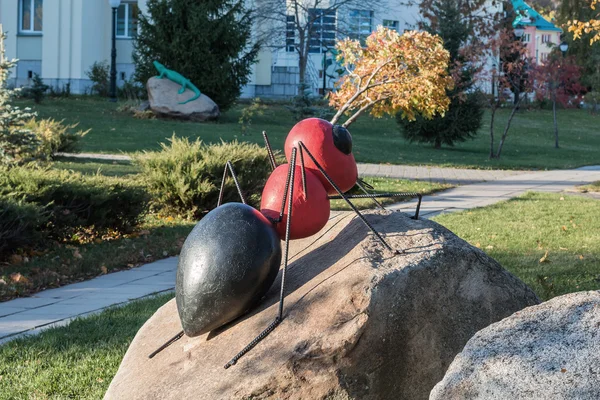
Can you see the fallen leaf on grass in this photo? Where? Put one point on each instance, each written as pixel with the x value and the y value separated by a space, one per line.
pixel 581 257
pixel 489 247
pixel 562 198
pixel 77 254
pixel 104 270
pixel 564 228
pixel 563 248
pixel 97 241
pixel 478 245
pixel 544 258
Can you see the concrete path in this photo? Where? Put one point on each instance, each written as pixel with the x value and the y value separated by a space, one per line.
pixel 58 306
pixel 454 176
pixel 55 307
pixel 486 193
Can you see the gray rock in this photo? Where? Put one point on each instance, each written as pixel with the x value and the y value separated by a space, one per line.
pixel 164 101
pixel 144 106
pixel 360 322
pixel 549 351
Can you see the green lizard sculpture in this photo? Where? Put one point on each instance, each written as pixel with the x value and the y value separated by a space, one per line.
pixel 177 78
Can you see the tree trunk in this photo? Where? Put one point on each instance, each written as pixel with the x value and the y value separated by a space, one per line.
pixel 302 60
pixel 555 124
pixel 512 114
pixel 494 108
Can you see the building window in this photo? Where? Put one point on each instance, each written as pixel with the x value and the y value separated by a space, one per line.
pixel 290 34
pixel 127 17
pixel 544 57
pixel 391 24
pixel 31 16
pixel 361 24
pixel 546 39
pixel 323 30
pixel 526 37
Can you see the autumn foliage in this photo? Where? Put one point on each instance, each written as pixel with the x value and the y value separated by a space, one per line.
pixel 580 27
pixel 393 73
pixel 558 79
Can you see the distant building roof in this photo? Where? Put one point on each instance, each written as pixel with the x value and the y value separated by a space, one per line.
pixel 531 17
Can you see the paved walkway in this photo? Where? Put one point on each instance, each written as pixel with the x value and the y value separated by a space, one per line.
pixel 58 306
pixel 454 176
pixel 486 193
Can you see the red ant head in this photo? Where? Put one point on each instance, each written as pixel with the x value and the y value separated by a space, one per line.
pixel 331 145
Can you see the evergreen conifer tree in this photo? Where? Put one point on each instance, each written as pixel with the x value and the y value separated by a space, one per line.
pixel 463 118
pixel 208 42
pixel 16 142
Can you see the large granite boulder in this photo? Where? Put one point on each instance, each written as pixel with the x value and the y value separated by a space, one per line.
pixel 164 101
pixel 549 351
pixel 361 323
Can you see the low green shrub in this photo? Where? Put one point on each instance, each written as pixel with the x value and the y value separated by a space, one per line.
pixel 99 75
pixel 54 136
pixel 184 178
pixel 21 224
pixel 37 90
pixel 73 200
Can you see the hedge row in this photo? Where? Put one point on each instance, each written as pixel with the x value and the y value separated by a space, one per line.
pixel 54 202
pixel 184 177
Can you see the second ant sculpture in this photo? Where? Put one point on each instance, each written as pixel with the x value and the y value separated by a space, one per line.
pixel 233 255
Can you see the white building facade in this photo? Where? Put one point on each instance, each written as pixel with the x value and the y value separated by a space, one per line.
pixel 61 39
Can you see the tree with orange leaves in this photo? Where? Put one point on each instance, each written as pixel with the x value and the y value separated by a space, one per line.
pixel 393 73
pixel 580 27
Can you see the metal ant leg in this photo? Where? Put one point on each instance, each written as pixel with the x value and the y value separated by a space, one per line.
pixel 358 183
pixel 303 172
pixel 343 196
pixel 381 196
pixel 229 166
pixel 167 344
pixel 269 150
pixel 279 317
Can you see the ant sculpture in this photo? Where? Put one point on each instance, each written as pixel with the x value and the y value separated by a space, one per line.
pixel 233 255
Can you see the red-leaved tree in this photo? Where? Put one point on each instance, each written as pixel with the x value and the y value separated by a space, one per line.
pixel 558 81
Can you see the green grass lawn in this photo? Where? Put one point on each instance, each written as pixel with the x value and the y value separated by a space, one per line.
pixel 73 362
pixel 92 167
pixel 550 241
pixel 529 143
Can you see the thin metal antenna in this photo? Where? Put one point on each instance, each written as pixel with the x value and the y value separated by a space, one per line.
pixel 229 166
